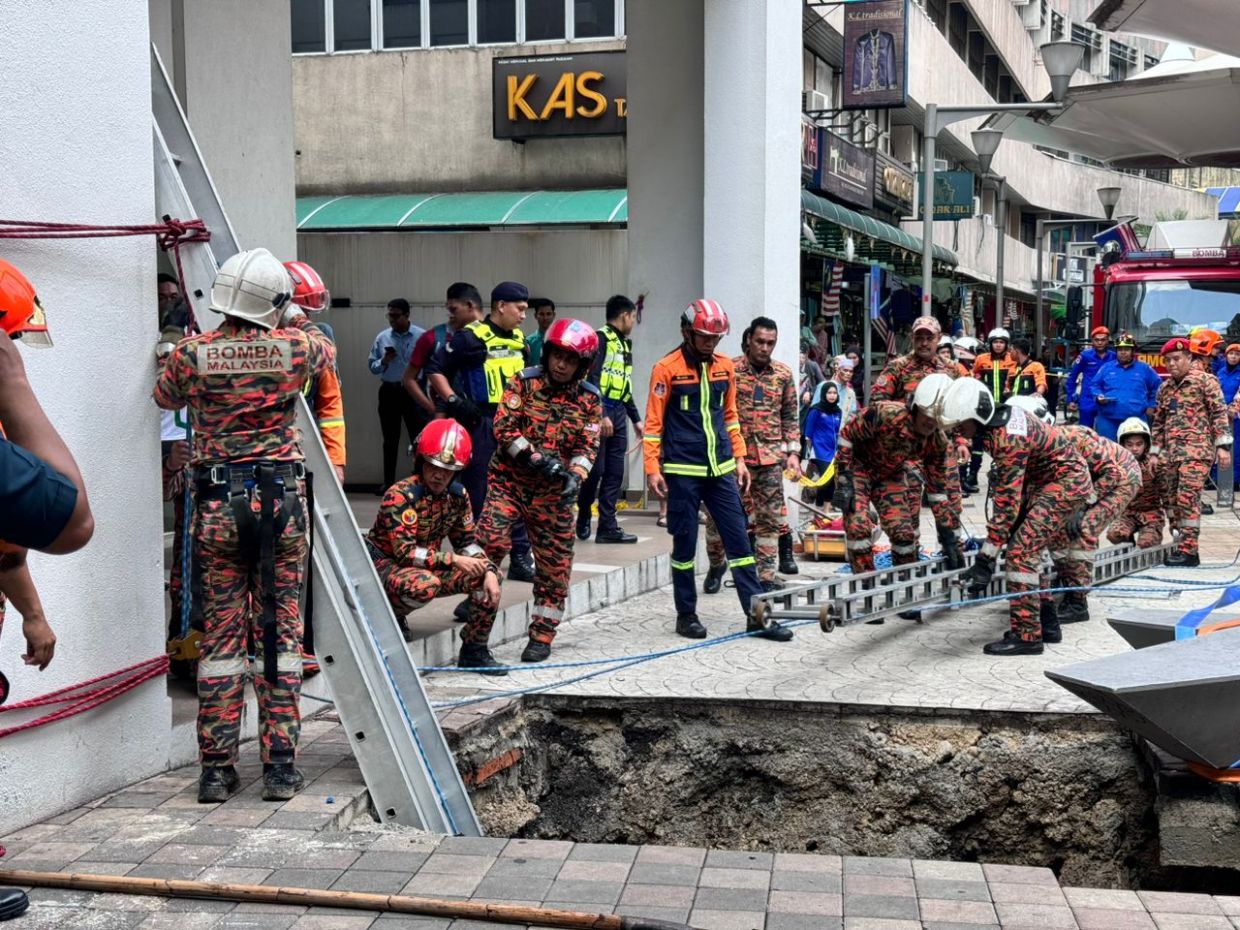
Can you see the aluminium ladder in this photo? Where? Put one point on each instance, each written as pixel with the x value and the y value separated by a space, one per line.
pixel 395 736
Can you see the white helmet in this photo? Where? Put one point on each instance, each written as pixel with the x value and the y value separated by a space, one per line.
pixel 945 340
pixel 999 333
pixel 1134 426
pixel 966 399
pixel 930 392
pixel 1034 405
pixel 968 344
pixel 252 285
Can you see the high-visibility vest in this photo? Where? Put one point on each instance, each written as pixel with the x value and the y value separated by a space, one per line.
pixel 615 380
pixel 505 357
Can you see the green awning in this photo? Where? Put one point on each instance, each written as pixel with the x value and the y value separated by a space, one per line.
pixel 868 226
pixel 465 209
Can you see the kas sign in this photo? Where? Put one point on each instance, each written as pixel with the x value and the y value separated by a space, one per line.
pixel 535 97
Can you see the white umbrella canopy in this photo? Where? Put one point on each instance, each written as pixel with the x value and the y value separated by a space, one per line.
pixel 1180 112
pixel 1209 24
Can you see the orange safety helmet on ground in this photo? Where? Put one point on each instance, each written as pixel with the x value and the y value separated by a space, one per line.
pixel 21 314
pixel 1202 342
pixel 445 443
pixel 309 291
pixel 706 317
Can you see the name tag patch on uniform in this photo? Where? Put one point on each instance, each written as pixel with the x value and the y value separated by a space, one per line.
pixel 1017 425
pixel 235 358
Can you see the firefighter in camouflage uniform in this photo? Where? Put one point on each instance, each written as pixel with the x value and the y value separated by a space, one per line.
pixel 766 401
pixel 417 514
pixel 240 384
pixel 885 455
pixel 547 428
pixel 1190 433
pixel 1142 521
pixel 1034 465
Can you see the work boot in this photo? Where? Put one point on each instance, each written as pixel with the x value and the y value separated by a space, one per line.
pixel 535 651
pixel 404 629
pixel 13 903
pixel 1206 510
pixel 1051 633
pixel 910 615
pixel 216 783
pixel 583 525
pixel 521 568
pixel 614 536
pixel 1013 647
pixel 478 656
pixel 689 626
pixel 281 781
pixel 714 579
pixel 1072 611
pixel 772 630
pixel 787 563
pixel 772 584
pixel 461 613
pixel 1183 560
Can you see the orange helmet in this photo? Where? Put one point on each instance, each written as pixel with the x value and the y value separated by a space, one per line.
pixel 706 317
pixel 21 314
pixel 1203 341
pixel 445 443
pixel 309 291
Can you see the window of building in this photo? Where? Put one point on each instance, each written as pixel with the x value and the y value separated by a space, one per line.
pixel 402 23
pixel 356 25
pixel 309 26
pixel 351 25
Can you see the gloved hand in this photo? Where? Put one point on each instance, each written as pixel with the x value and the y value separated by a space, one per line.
pixel 551 467
pixel 572 485
pixel 844 498
pixel 1073 525
pixel 980 574
pixel 464 411
pixel 951 549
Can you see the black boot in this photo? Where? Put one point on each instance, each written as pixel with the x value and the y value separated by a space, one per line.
pixel 772 630
pixel 583 525
pixel 910 615
pixel 787 564
pixel 216 783
pixel 404 629
pixel 535 651
pixel 13 903
pixel 1206 509
pixel 461 614
pixel 774 584
pixel 614 536
pixel 281 781
pixel 1013 647
pixel 478 656
pixel 689 626
pixel 1072 610
pixel 1183 560
pixel 521 568
pixel 714 579
pixel 1051 633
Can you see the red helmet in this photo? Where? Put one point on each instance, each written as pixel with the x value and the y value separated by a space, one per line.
pixel 706 317
pixel 445 443
pixel 309 291
pixel 574 337
pixel 21 314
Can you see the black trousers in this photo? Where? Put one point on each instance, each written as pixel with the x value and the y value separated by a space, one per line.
pixel 396 407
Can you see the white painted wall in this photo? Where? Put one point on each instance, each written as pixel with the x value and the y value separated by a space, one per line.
pixel 77 107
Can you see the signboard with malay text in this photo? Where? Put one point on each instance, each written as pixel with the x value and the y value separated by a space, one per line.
pixel 875 55
pixel 543 96
pixel 847 171
pixel 953 195
pixel 894 186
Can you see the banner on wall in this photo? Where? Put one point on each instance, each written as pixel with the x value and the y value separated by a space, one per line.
pixel 875 55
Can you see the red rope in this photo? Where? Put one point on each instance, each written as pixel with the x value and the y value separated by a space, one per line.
pixel 171 234
pixel 86 695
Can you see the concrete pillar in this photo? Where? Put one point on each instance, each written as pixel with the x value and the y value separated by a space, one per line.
pixel 751 165
pixel 665 144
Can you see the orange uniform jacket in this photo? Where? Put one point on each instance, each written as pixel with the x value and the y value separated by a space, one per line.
pixel 692 426
pixel 329 414
pixel 994 373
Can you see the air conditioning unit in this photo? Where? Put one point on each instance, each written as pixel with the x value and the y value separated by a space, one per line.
pixel 814 101
pixel 940 164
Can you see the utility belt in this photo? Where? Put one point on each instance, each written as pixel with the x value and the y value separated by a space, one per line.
pixel 262 496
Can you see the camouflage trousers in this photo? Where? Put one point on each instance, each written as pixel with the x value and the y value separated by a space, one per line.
pixel 548 518
pixel 1180 485
pixel 409 588
pixel 764 503
pixel 1145 528
pixel 1074 558
pixel 1038 529
pixel 898 502
pixel 229 583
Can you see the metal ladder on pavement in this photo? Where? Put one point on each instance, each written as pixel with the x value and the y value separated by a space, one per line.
pixel 841 600
pixel 395 736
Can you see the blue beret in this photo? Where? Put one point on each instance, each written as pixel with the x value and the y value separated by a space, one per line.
pixel 510 291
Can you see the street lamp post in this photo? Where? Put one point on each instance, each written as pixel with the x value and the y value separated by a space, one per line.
pixel 1001 206
pixel 1061 59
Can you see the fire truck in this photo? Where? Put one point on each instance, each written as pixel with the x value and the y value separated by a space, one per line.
pixel 1187 277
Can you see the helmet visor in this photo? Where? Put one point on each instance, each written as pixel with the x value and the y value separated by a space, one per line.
pixel 315 301
pixel 34 333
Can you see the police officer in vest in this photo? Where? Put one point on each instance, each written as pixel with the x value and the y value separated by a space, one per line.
pixel 480 359
pixel 613 373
